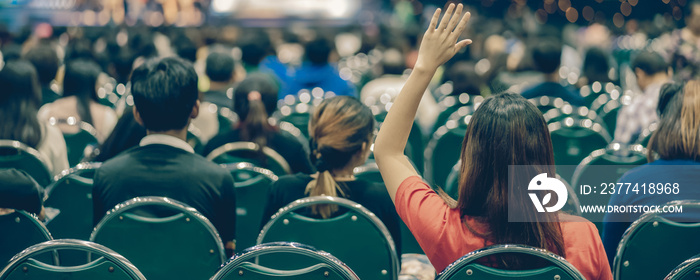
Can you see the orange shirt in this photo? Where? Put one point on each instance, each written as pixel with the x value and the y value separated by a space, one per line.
pixel 444 239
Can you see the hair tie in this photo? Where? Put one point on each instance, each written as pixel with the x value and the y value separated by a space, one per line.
pixel 254 95
pixel 321 165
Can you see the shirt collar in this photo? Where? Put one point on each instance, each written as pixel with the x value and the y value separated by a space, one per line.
pixel 166 140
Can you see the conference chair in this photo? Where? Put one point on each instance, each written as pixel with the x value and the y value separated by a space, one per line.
pixel 107 264
pixel 414 145
pixel 645 136
pixel 356 237
pixel 322 265
pixel 297 109
pixel 573 139
pixel 688 270
pixel 252 185
pixel 657 242
pixel 235 152
pixel 546 103
pixel 450 104
pixel 467 267
pixel 19 230
pixel 608 105
pixel 227 119
pixel 80 137
pixel 296 132
pixel 444 148
pixel 165 238
pixel 15 154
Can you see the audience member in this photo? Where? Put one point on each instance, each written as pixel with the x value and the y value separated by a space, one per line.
pixel 165 96
pixel 220 70
pixel 19 191
pixel 595 66
pixel 342 132
pixel 80 101
pixel 547 58
pixel 652 72
pixel 674 158
pixel 684 47
pixel 19 104
pixel 505 130
pixel 45 60
pixel 127 133
pixel 317 71
pixel 254 99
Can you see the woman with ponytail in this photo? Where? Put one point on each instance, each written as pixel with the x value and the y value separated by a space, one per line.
pixel 254 100
pixel 341 131
pixel 80 100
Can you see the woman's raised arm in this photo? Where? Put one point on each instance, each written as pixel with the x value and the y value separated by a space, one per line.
pixel 439 44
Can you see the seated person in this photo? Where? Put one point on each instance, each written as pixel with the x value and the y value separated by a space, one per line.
pixel 677 144
pixel 127 133
pixel 254 99
pixel 219 70
pixel 165 101
pixel 45 59
pixel 341 131
pixel 547 58
pixel 505 130
pixel 19 191
pixel 652 72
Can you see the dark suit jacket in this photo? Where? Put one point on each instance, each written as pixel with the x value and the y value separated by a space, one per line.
pixel 161 170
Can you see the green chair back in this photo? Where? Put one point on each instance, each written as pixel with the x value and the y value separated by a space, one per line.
pixel 468 266
pixel 654 244
pixel 165 238
pixel 19 230
pixel 322 265
pixel 252 186
pixel 444 150
pixel 236 152
pixel 341 236
pixel 645 136
pixel 226 118
pixel 71 194
pixel 107 265
pixel 573 140
pixel 78 143
pixel 688 270
pixel 14 154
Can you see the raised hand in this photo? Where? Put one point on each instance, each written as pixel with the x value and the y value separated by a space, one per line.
pixel 440 41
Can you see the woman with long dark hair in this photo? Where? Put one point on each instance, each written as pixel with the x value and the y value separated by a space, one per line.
pixel 80 100
pixel 506 130
pixel 254 99
pixel 20 98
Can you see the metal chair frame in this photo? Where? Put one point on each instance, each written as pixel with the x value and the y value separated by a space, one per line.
pixel 5 143
pixel 249 146
pixel 637 149
pixel 685 268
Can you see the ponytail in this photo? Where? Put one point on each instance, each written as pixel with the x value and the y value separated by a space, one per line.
pixel 84 109
pixel 324 184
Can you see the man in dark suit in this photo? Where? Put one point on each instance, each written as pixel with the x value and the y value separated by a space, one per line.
pixel 165 101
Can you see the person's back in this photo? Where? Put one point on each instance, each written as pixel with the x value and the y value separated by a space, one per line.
pixel 165 101
pixel 505 149
pixel 317 71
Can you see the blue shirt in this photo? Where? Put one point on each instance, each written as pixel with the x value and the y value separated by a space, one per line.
pixel 309 76
pixel 684 172
pixel 552 89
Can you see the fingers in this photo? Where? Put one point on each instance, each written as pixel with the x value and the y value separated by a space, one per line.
pixel 455 18
pixel 434 20
pixel 460 27
pixel 462 44
pixel 446 17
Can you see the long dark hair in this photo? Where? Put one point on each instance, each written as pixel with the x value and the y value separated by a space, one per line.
pixel 338 128
pixel 80 81
pixel 507 130
pixel 20 99
pixel 678 136
pixel 254 100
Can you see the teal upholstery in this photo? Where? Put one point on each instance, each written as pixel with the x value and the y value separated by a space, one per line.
pixel 444 149
pixel 468 266
pixel 252 186
pixel 656 243
pixel 107 265
pixel 19 230
pixel 356 237
pixel 14 154
pixel 236 152
pixel 688 270
pixel 165 238
pixel 71 194
pixel 322 265
pixel 79 144
pixel 573 140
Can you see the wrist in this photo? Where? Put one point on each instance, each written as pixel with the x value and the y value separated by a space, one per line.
pixel 424 69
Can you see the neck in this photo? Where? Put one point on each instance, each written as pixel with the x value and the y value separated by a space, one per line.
pixel 345 173
pixel 218 86
pixel 177 133
pixel 658 78
pixel 552 77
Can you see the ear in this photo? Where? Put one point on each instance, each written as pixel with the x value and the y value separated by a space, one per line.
pixel 137 116
pixel 195 110
pixel 638 72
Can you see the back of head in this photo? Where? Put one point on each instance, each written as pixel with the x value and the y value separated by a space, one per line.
pixel 393 62
pixel 255 45
pixel 219 67
pixel 596 65
pixel 338 129
pixel 649 62
pixel 254 99
pixel 80 80
pixel 507 130
pixel 318 50
pixel 19 103
pixel 45 60
pixel 678 135
pixel 547 55
pixel 165 92
pixel 464 78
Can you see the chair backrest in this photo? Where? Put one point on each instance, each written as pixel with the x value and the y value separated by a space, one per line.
pixel 561 113
pixel 248 152
pixel 19 230
pixel 356 237
pixel 608 105
pixel 546 103
pixel 81 138
pixel 322 266
pixel 296 110
pixel 165 238
pixel 368 172
pixel 468 267
pixel 450 104
pixel 654 244
pixel 297 133
pixel 645 136
pixel 14 154
pixel 108 265
pixel 71 196
pixel 573 140
pixel 444 148
pixel 252 186
pixel 688 270
pixel 227 119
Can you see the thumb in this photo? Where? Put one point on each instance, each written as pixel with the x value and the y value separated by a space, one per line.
pixel 462 44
